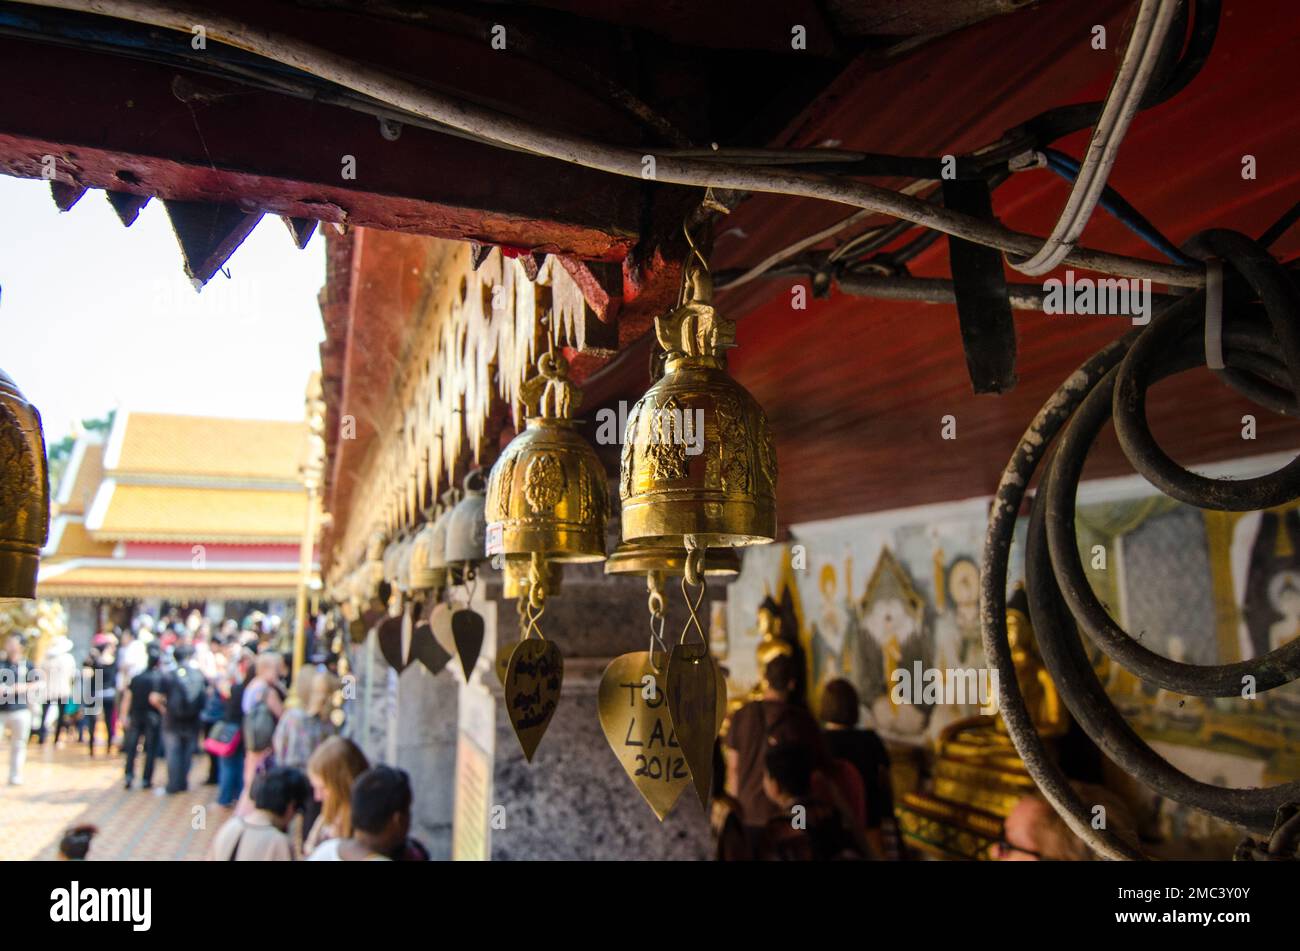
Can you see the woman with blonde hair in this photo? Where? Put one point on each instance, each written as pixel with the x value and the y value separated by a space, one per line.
pixel 306 723
pixel 332 769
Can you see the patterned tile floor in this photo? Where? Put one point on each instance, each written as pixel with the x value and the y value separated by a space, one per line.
pixel 63 787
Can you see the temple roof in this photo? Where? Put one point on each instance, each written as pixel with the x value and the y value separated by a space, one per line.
pixel 127 512
pixel 81 478
pixel 76 580
pixel 161 444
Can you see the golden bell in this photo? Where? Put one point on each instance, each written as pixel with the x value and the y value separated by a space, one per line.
pixel 515 577
pixel 392 559
pixel 371 573
pixel 548 492
pixel 429 549
pixel 466 532
pixel 405 552
pixel 633 558
pixel 24 492
pixel 697 456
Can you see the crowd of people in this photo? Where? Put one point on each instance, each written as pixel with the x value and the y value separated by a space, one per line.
pixel 177 690
pixel 787 788
pixel 788 785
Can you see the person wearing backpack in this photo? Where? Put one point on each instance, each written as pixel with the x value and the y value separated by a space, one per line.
pixel 263 705
pixel 181 697
pixel 775 719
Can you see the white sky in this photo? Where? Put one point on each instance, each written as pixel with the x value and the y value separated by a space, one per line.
pixel 95 316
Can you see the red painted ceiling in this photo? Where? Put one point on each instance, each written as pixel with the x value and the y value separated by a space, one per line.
pixel 855 388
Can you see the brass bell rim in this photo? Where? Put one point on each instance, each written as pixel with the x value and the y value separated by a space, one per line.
pixel 19 569
pixel 638 558
pixel 561 544
pixel 660 521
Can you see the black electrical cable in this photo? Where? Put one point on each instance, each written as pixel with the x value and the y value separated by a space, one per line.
pixel 1281 226
pixel 1259 346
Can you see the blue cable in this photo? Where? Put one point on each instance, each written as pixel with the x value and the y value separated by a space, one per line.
pixel 1122 211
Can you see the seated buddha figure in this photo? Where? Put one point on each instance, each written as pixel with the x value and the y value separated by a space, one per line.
pixel 770 644
pixel 985 737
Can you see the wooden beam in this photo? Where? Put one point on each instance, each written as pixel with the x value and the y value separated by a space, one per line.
pixel 226 143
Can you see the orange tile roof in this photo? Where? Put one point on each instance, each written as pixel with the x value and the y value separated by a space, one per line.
pixel 188 513
pixel 141 582
pixel 75 542
pixel 166 444
pixel 86 481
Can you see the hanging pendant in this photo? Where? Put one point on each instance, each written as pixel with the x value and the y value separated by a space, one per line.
pixel 426 649
pixel 467 634
pixel 389 636
pixel 440 624
pixel 693 707
pixel 532 690
pixel 692 683
pixel 633 709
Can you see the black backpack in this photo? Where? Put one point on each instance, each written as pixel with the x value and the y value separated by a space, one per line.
pixel 192 693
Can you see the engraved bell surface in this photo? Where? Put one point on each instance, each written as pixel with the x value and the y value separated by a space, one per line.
pixel 698 457
pixel 548 494
pixel 24 492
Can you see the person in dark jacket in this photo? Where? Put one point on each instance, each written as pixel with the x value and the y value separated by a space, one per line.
pixel 141 720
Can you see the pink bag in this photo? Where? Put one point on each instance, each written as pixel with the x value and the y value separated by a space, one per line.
pixel 223 739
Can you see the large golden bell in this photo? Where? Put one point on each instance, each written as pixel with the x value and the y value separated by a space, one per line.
pixel 697 457
pixel 548 493
pixel 24 492
pixel 633 558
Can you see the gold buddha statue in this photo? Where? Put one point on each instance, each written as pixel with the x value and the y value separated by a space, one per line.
pixel 978 776
pixel 985 736
pixel 771 642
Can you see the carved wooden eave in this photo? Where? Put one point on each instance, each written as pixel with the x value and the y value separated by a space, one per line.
pixel 425 356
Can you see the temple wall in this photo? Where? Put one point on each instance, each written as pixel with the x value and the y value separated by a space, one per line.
pixel 864 592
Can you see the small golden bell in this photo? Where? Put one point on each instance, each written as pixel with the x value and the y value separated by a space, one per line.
pixel 24 492
pixel 548 493
pixel 698 458
pixel 465 527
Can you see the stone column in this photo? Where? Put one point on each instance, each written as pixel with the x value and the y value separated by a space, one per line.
pixel 573 801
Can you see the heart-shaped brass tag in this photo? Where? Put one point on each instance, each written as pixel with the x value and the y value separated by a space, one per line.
pixel 427 650
pixel 634 715
pixel 467 633
pixel 693 701
pixel 440 622
pixel 532 689
pixel 503 660
pixel 389 636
